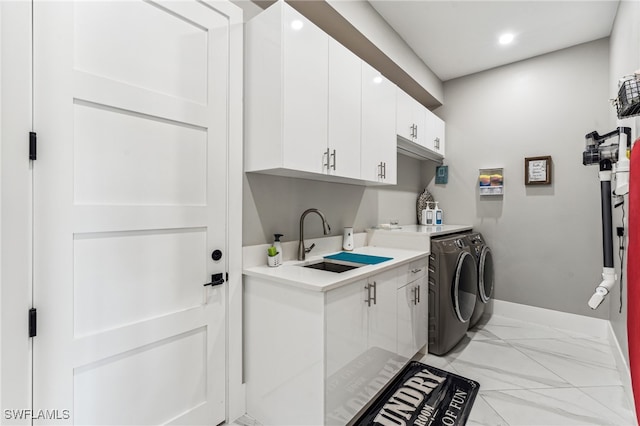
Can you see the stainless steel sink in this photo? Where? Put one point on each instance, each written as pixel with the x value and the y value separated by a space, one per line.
pixel 332 266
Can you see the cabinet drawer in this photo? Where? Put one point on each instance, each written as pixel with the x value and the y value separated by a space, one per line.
pixel 411 272
pixel 417 269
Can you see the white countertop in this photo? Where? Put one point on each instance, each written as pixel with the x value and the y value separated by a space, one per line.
pixel 411 237
pixel 431 230
pixel 290 273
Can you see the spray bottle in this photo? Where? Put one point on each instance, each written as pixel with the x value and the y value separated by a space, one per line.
pixel 278 245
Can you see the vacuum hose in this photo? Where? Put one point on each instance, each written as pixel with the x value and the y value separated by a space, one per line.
pixel 608 272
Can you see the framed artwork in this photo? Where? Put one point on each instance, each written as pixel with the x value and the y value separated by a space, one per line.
pixel 537 170
pixel 442 174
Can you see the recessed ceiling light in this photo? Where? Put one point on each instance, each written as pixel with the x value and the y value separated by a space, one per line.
pixel 506 38
pixel 297 24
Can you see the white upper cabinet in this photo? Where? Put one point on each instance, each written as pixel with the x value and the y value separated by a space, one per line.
pixel 286 83
pixel 420 132
pixel 308 113
pixel 305 58
pixel 345 90
pixel 379 150
pixel 435 133
pixel 411 118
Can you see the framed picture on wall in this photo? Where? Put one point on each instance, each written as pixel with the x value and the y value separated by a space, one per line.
pixel 537 170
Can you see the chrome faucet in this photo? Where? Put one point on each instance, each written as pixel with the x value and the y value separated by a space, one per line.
pixel 302 251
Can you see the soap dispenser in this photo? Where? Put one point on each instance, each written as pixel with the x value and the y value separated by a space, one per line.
pixel 438 215
pixel 428 213
pixel 347 239
pixel 278 245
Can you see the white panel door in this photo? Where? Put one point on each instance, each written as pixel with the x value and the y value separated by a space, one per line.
pixel 130 183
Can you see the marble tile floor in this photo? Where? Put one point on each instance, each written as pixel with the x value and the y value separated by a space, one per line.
pixel 535 375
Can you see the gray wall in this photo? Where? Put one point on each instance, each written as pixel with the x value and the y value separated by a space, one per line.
pixel 546 240
pixel 274 204
pixel 624 59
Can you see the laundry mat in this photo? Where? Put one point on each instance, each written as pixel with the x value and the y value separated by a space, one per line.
pixel 422 395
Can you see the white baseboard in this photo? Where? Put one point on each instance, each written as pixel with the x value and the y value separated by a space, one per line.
pixel 577 323
pixel 621 365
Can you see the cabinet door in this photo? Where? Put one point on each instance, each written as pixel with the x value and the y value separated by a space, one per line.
pixel 421 314
pixel 411 119
pixel 407 299
pixel 435 133
pixel 379 146
pixel 404 115
pixel 382 317
pixel 344 111
pixel 346 325
pixel 305 93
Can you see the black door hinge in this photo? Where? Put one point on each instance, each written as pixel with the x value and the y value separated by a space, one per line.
pixel 33 323
pixel 33 146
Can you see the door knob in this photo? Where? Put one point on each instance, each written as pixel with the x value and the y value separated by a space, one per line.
pixel 216 279
pixel 216 255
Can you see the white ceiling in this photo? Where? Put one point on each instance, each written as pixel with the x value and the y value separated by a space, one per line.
pixel 456 38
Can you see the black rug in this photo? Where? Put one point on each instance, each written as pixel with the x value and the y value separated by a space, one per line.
pixel 422 395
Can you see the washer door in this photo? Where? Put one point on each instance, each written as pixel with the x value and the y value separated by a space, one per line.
pixel 465 286
pixel 485 274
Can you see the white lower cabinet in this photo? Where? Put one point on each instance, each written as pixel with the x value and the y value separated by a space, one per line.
pixel 413 313
pixel 317 358
pixel 360 344
pixel 346 325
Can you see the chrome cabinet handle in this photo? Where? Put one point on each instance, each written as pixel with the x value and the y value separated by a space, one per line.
pixel 375 292
pixel 368 299
pixel 334 159
pixel 418 293
pixel 416 135
pixel 380 170
pixel 384 170
pixel 437 143
pixel 416 270
pixel 327 163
